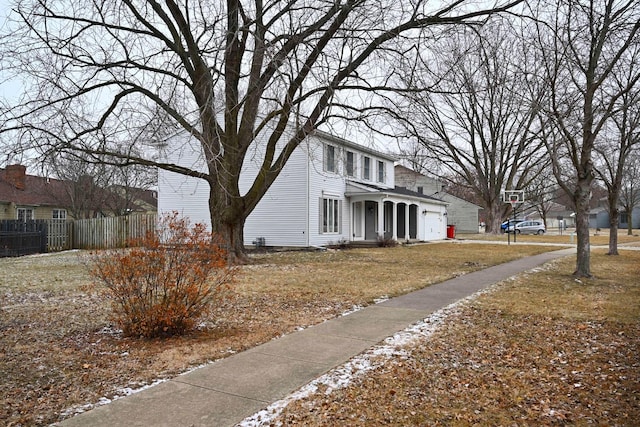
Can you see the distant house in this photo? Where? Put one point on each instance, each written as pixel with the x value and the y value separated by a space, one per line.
pixel 599 217
pixel 635 218
pixel 128 200
pixel 331 190
pixel 557 215
pixel 460 213
pixel 27 197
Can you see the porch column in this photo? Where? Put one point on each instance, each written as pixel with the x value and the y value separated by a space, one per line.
pixel 394 221
pixel 381 218
pixel 352 230
pixel 406 222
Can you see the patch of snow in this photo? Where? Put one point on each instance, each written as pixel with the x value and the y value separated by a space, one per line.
pixel 383 298
pixel 123 392
pixel 352 310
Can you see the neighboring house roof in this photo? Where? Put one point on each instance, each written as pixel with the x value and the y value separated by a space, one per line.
pixel 460 199
pixel 21 189
pixel 418 175
pixel 598 210
pixel 409 171
pixel 29 190
pixel 134 199
pixel 150 197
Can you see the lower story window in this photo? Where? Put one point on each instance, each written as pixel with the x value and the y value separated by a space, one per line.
pixel 25 214
pixel 330 215
pixel 59 214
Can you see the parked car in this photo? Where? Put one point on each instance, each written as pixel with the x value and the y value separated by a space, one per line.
pixel 505 225
pixel 527 227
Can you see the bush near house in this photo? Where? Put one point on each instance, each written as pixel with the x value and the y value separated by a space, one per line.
pixel 166 282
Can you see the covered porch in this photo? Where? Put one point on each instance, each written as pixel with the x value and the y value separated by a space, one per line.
pixel 390 215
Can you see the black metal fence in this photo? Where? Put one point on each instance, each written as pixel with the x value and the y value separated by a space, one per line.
pixel 22 237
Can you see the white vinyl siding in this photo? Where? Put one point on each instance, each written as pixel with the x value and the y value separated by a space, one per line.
pixel 281 217
pixel 186 195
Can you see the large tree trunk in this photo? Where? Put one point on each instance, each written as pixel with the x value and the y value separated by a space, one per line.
pixel 231 235
pixel 583 260
pixel 613 226
pixel 630 222
pixel 227 221
pixel 494 219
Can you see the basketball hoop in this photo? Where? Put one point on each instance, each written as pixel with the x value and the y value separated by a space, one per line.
pixel 514 198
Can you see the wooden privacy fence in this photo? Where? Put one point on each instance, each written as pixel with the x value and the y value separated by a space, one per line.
pixel 112 232
pixel 58 235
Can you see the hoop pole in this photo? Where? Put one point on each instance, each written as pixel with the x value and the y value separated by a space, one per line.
pixel 513 205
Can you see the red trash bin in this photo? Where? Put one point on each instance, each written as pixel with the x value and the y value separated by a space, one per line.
pixel 451 231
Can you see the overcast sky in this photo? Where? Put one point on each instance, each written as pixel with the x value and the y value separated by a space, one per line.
pixel 8 90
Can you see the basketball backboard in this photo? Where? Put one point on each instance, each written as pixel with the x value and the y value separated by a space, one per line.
pixel 512 196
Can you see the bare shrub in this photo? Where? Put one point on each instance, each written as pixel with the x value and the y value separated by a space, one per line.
pixel 386 242
pixel 164 283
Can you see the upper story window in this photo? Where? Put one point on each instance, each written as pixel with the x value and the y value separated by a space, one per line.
pixel 366 168
pixel 421 190
pixel 59 214
pixel 350 163
pixel 381 174
pixel 25 214
pixel 329 158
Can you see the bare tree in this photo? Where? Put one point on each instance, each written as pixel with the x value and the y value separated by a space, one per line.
pixel 630 193
pixel 128 187
pixel 541 191
pixel 580 44
pixel 96 189
pixel 617 143
pixel 481 123
pixel 231 74
pixel 83 184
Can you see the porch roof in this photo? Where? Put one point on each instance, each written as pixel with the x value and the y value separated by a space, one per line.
pixel 359 189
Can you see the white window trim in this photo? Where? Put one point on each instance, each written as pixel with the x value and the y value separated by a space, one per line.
pixel 25 210
pixel 64 211
pixel 353 164
pixel 326 163
pixel 366 171
pixel 330 209
pixel 381 175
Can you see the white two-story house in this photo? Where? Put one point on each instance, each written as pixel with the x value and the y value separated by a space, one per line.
pixel 331 191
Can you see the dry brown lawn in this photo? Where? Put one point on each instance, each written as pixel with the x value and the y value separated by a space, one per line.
pixel 59 353
pixel 544 349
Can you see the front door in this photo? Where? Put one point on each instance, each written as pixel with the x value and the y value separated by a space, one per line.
pixel 370 220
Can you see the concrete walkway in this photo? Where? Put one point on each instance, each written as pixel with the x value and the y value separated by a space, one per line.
pixel 227 391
